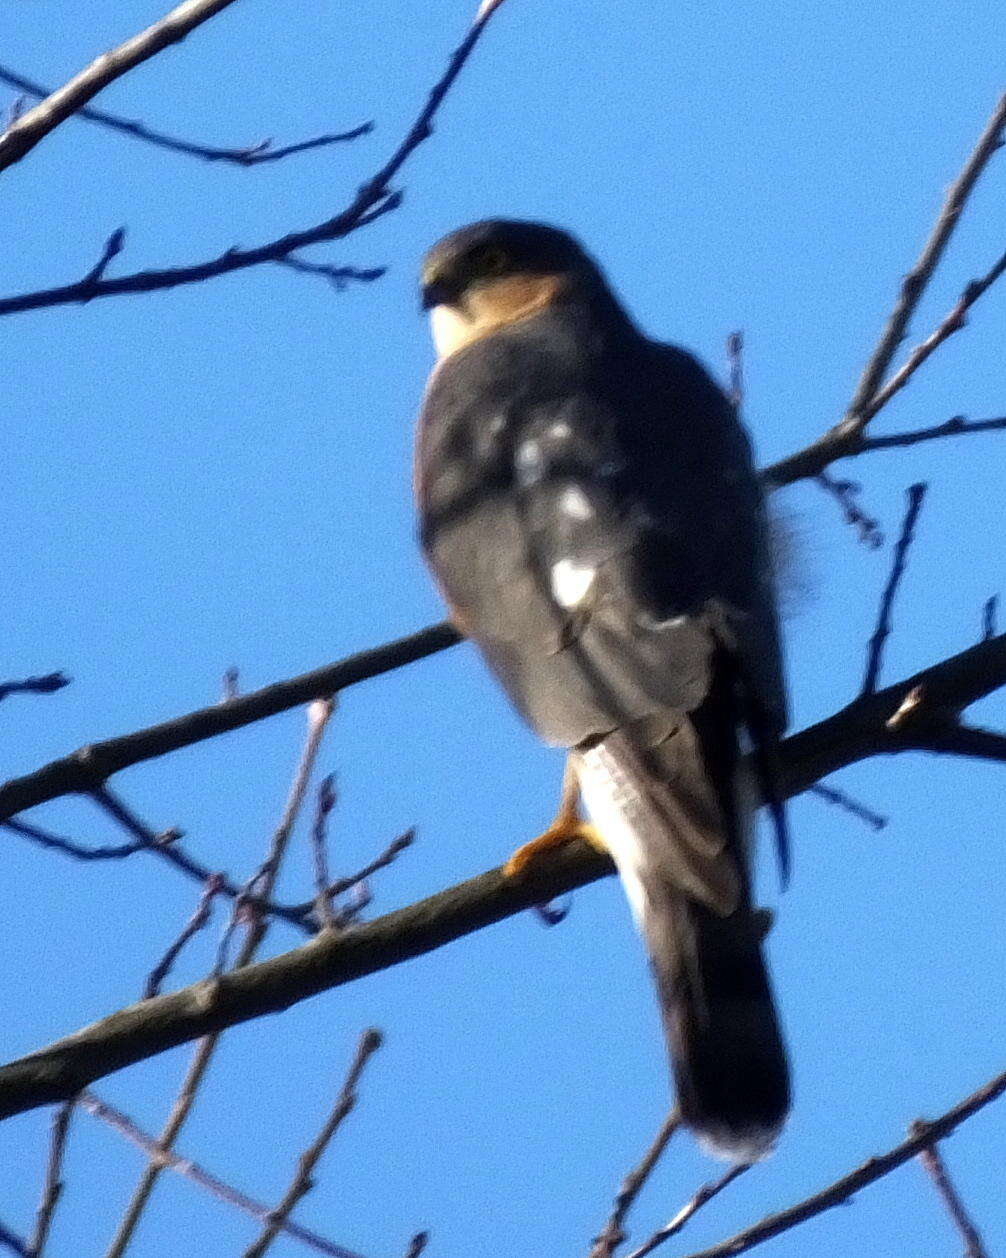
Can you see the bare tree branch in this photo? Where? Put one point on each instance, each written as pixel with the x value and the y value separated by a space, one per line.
pixel 337 276
pixel 948 1194
pixel 34 125
pixel 116 851
pixel 89 767
pixel 192 927
pixel 417 1244
pixel 735 369
pixel 861 729
pixel 13 1242
pixel 373 198
pixel 262 883
pixel 841 800
pixel 954 321
pixel 197 1174
pixel 258 888
pixel 989 617
pixel 52 1186
pixel 298 915
pixel 251 155
pixel 45 685
pixel 846 494
pixel 847 438
pixel 706 1193
pixel 956 427
pixel 167 845
pixel 302 1182
pixel 954 739
pixel 916 281
pixel 613 1233
pixel 873 1169
pixel 323 899
pixel 875 653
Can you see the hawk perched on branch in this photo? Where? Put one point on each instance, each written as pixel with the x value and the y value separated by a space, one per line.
pixel 589 508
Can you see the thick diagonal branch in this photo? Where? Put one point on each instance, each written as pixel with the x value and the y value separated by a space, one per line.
pixel 32 127
pixel 83 771
pixel 862 729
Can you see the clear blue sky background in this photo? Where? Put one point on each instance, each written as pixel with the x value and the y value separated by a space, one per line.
pixel 220 476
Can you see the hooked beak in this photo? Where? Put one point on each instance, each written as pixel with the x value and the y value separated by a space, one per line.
pixel 436 293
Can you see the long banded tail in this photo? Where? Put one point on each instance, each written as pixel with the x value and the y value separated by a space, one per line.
pixel 678 843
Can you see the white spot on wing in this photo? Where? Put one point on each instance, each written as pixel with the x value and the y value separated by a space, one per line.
pixel 529 463
pixel 560 430
pixel 575 503
pixel 570 582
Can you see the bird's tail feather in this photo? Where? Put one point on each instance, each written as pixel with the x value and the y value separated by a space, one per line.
pixel 652 809
pixel 726 1049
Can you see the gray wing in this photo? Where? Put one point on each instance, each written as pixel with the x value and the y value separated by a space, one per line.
pixel 600 532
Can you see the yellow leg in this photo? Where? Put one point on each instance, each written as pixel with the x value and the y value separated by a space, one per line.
pixel 567 826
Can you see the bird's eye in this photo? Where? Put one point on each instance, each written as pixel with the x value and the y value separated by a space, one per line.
pixel 494 261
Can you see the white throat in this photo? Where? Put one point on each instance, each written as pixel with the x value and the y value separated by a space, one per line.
pixel 450 330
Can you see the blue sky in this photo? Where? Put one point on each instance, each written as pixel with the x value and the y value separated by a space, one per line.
pixel 219 476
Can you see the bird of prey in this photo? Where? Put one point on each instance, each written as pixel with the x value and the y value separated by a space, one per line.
pixel 589 509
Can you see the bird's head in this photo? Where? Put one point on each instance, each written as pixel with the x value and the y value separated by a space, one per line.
pixel 485 276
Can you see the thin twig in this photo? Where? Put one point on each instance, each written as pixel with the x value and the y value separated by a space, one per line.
pixel 873 1169
pixel 44 685
pixel 958 426
pixel 263 882
pixel 916 281
pixel 989 618
pixel 192 927
pixel 197 1174
pixel 328 960
pixel 167 844
pixel 302 1183
pixel 875 652
pixel 323 901
pixel 735 364
pixel 948 1194
pixel 841 800
pixel 14 1243
pixel 954 321
pixel 417 1244
pixel 846 493
pixel 229 684
pixel 338 276
pixel 373 199
pixel 251 155
pixel 341 885
pixel 34 125
pixel 55 842
pixel 848 437
pixel 258 888
pixel 706 1193
pixel 52 1187
pixel 613 1232
pixel 112 248
pixel 89 767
